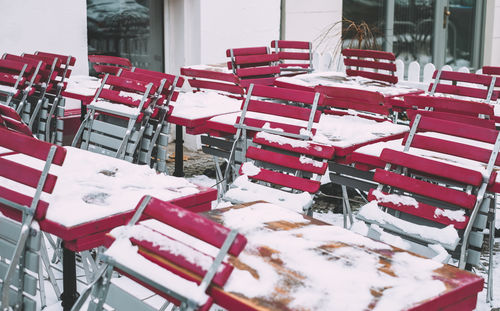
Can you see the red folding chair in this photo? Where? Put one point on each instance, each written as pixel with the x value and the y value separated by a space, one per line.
pixel 254 65
pixel 295 56
pixel 376 65
pixel 23 247
pixel 104 64
pixel 171 265
pixel 11 120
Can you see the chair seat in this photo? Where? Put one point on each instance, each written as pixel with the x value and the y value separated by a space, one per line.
pixel 447 236
pixel 242 190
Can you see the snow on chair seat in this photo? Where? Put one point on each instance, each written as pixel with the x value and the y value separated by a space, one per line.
pixel 20 235
pixel 287 169
pixel 176 253
pixel 447 194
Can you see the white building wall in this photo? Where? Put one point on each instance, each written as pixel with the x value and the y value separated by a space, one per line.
pixel 308 20
pixel 492 34
pixel 236 23
pixel 57 26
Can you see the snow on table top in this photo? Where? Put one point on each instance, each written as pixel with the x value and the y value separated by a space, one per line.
pixel 332 268
pixel 91 186
pixel 339 79
pixel 8 89
pixel 204 104
pixel 83 85
pixel 230 118
pixel 348 130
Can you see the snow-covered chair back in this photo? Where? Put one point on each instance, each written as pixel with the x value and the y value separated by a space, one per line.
pixel 433 194
pixel 295 57
pixel 176 253
pixel 20 207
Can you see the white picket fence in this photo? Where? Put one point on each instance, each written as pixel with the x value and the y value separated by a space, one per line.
pixel 413 75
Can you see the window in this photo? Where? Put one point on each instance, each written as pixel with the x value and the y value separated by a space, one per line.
pixel 127 28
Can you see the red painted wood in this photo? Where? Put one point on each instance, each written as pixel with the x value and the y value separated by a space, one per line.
pixel 370 64
pixel 424 188
pixel 293 56
pixel 289 44
pixel 128 84
pixel 369 54
pixel 286 180
pixel 466 77
pixel 372 75
pixel 256 59
pixel 452 148
pixel 193 224
pixel 63 58
pixel 448 104
pixel 30 146
pixel 287 65
pixel 282 110
pixel 209 74
pixel 14 125
pixel 432 167
pixel 219 279
pixel 217 86
pixel 458 129
pixel 463 91
pixel 25 175
pixel 305 97
pixel 114 96
pixel 22 199
pixel 113 60
pixel 425 211
pixel 48 60
pixel 491 70
pixel 284 160
pixel 312 149
pixel 287 128
pixel 257 71
pixel 170 78
pixel 247 51
pixel 14 66
pixel 356 99
pixel 246 82
pixel 454 117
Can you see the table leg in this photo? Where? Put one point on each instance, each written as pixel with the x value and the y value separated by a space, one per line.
pixel 69 295
pixel 83 111
pixel 179 152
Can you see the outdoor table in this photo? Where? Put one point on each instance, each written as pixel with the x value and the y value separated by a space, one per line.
pixel 95 193
pixel 82 88
pixel 295 262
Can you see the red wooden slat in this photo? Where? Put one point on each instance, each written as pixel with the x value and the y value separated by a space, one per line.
pixel 193 224
pixel 491 70
pixel 114 60
pixel 369 54
pixel 129 84
pixel 13 66
pixel 425 211
pixel 312 149
pixel 282 110
pixel 284 160
pixel 209 74
pixel 452 148
pixel 114 96
pixel 10 79
pixel 31 61
pixel 247 51
pixel 25 175
pixel 48 60
pixel 294 55
pixel 144 78
pixel 354 99
pixel 219 279
pixel 30 146
pixel 257 71
pixel 287 128
pixel 63 58
pixel 458 129
pixel 454 117
pixel 246 81
pixel 424 188
pixel 256 59
pixel 305 97
pixel 286 180
pixel 432 167
pixel 289 44
pixel 170 78
pixel 288 65
pixel 218 86
pixel 449 104
pixel 370 64
pixel 106 69
pixel 467 77
pixel 462 91
pixel 21 199
pixel 373 75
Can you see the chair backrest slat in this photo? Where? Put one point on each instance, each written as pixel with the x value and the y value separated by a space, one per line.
pixel 356 60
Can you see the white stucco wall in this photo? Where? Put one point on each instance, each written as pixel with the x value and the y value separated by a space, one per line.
pixel 492 33
pixel 57 26
pixel 308 20
pixel 236 23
